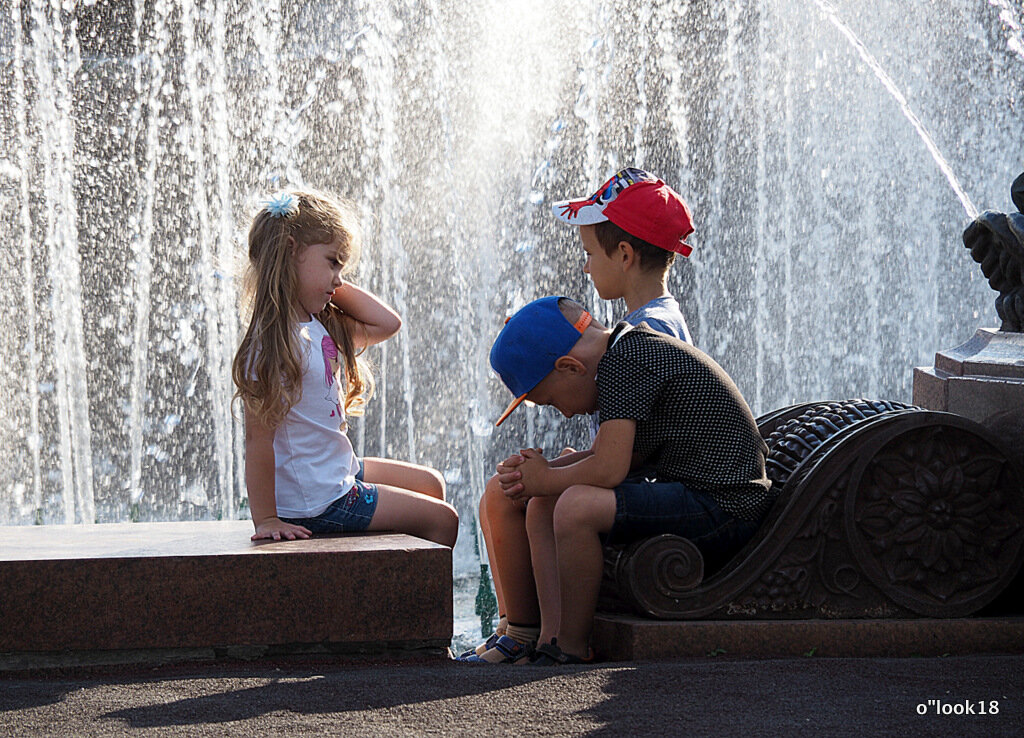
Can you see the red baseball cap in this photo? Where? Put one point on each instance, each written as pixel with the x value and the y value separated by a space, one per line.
pixel 638 203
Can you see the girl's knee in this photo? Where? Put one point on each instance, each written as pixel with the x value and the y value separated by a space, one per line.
pixel 439 524
pixel 435 484
pixel 448 526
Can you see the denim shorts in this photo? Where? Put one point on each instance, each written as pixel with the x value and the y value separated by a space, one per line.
pixel 350 513
pixel 646 508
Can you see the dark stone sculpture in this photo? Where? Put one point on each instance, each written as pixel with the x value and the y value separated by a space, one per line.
pixel 983 378
pixel 996 241
pixel 884 510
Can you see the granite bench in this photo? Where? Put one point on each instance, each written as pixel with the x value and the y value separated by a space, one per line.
pixel 186 585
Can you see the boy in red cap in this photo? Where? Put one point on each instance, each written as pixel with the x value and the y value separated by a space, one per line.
pixel 631 230
pixel 678 451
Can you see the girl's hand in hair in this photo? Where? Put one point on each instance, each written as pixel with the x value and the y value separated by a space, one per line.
pixel 379 321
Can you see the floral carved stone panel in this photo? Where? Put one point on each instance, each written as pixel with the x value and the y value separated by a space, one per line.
pixel 937 520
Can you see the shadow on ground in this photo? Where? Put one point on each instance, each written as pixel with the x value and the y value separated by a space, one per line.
pixel 693 697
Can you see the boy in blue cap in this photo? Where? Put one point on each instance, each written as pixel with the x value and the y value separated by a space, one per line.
pixel 631 230
pixel 677 451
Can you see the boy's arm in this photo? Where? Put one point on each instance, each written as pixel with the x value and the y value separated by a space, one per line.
pixel 259 483
pixel 605 466
pixel 570 458
pixel 378 320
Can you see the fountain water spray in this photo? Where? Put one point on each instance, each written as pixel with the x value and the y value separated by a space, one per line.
pixel 832 16
pixel 138 135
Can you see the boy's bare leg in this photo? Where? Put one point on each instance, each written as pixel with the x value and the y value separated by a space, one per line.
pixel 582 512
pixel 509 550
pixel 485 529
pixel 539 525
pixel 403 474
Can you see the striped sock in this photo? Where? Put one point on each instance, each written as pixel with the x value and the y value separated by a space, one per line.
pixel 527 634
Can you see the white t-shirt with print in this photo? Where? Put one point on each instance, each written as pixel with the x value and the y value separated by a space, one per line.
pixel 314 460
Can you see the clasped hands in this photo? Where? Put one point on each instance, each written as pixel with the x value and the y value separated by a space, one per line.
pixel 522 475
pixel 528 474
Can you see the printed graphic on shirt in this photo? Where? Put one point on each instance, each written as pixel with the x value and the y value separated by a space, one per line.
pixel 332 368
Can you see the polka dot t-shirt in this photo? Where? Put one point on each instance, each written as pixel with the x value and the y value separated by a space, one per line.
pixel 692 424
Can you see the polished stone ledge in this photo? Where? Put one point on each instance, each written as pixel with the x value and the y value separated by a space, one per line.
pixel 193 585
pixel 627 638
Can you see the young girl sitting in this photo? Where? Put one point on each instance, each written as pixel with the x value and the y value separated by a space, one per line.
pixel 298 375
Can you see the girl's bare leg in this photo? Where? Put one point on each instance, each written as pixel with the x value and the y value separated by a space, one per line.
pixel 417 514
pixel 422 479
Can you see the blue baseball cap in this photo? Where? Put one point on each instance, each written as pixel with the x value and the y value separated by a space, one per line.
pixel 529 345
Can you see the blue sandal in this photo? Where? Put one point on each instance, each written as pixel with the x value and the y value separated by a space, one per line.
pixel 488 645
pixel 506 650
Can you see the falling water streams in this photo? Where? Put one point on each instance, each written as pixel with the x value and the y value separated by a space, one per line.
pixel 25 222
pixel 833 17
pixel 1012 20
pixel 139 136
pixel 148 96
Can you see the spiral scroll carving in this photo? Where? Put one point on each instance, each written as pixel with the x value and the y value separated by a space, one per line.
pixel 885 510
pixel 655 572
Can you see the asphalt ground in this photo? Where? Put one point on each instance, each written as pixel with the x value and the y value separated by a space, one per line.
pixel 980 695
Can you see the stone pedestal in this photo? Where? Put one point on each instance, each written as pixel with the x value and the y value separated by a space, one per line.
pixel 628 638
pixel 70 588
pixel 982 379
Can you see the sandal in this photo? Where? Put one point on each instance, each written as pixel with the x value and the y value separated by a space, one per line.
pixel 549 654
pixel 477 650
pixel 506 650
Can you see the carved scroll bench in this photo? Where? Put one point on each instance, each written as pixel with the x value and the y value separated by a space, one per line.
pixel 884 510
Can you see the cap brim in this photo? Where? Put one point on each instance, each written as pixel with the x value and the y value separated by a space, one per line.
pixel 569 211
pixel 508 411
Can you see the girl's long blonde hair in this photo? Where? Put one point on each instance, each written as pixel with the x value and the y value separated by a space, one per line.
pixel 267 369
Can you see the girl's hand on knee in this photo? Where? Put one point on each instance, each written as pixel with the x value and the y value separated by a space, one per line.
pixel 277 529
